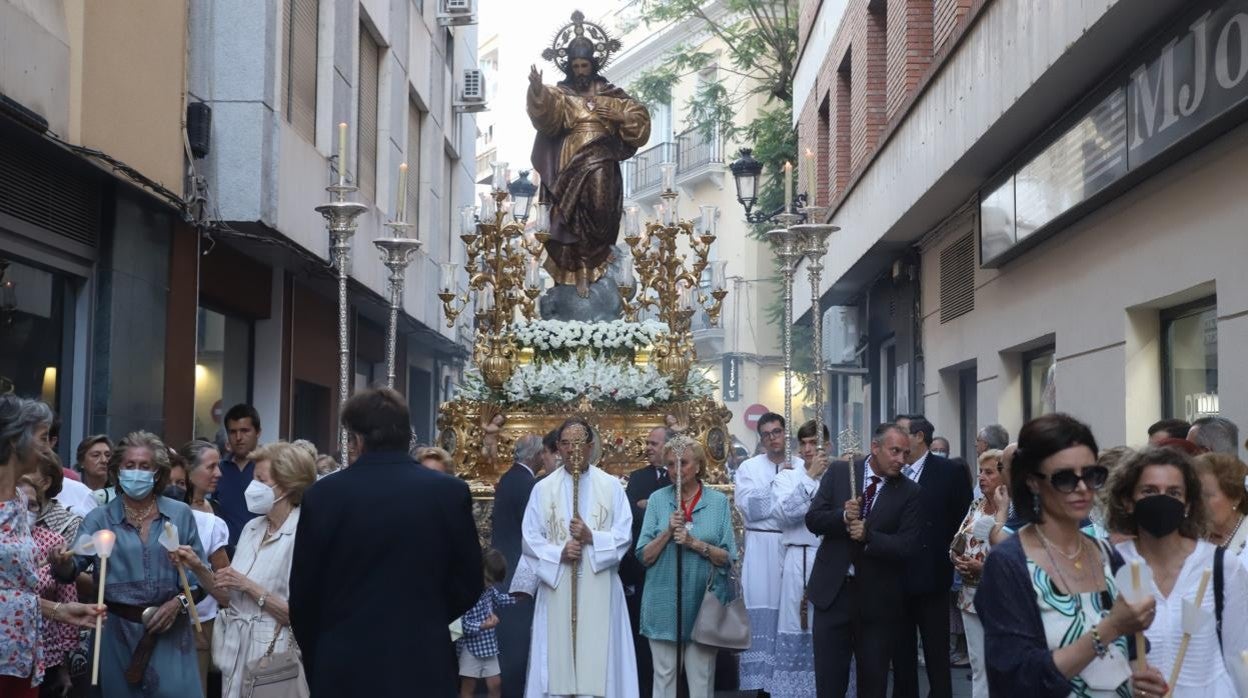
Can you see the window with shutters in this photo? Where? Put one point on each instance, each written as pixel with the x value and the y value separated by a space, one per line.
pixel 957 278
pixel 300 20
pixel 414 120
pixel 366 146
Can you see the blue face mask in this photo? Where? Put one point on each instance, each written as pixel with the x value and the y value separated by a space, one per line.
pixel 137 484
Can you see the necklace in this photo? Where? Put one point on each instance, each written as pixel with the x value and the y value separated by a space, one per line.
pixel 139 516
pixel 1073 557
pixel 1227 541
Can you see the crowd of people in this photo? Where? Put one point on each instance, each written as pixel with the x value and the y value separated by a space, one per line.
pixel 1053 567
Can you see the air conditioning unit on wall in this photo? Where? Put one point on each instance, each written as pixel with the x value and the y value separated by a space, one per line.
pixel 471 92
pixel 457 13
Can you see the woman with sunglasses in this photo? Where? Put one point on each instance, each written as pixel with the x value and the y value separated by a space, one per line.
pixel 1156 497
pixel 1054 624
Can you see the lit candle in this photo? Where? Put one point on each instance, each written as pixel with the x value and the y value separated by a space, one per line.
pixel 788 187
pixel 342 154
pixel 400 204
pixel 812 186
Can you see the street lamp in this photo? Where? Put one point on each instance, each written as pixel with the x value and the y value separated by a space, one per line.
pixel 746 170
pixel 522 192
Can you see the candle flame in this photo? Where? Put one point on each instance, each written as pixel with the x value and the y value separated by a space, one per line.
pixel 403 167
pixel 809 153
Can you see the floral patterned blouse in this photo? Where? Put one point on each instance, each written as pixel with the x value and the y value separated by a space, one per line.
pixel 21 653
pixel 58 638
pixel 976 549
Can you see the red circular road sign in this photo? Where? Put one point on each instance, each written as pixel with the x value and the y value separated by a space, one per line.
pixel 752 413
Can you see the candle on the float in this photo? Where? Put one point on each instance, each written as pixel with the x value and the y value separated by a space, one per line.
pixel 788 187
pixel 400 204
pixel 342 154
pixel 811 184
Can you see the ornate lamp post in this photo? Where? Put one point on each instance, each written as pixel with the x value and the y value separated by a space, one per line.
pixel 340 216
pixel 786 244
pixel 812 241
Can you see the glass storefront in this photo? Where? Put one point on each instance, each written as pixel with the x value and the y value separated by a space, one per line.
pixel 33 335
pixel 1039 383
pixel 1190 360
pixel 222 370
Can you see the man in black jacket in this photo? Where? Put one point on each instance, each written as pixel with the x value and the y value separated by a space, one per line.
pixel 856 581
pixel 511 496
pixel 642 483
pixel 944 497
pixel 386 556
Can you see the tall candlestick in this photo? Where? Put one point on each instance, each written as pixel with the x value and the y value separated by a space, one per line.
pixel 342 154
pixel 788 187
pixel 400 205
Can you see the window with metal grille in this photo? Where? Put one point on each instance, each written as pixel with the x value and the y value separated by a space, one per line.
pixel 300 21
pixel 414 120
pixel 957 278
pixel 366 145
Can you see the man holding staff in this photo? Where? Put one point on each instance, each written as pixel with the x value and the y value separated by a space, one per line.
pixel 582 643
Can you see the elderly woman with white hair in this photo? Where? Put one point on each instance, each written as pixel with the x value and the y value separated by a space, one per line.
pixel 257 616
pixel 24 428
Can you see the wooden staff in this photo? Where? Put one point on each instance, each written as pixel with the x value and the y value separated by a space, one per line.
pixel 1141 660
pixel 1187 637
pixel 186 587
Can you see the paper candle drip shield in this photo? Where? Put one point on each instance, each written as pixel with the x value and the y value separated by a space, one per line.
pixel 100 543
pixel 169 537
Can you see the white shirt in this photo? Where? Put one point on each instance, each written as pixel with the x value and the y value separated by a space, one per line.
pixel 792 491
pixel 753 492
pixel 214 534
pixel 1204 673
pixel 76 497
pixel 915 471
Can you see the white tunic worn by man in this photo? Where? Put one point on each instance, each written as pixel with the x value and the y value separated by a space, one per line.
pixel 582 551
pixel 764 551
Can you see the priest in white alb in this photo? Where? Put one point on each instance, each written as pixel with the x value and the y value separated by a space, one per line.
pixel 589 652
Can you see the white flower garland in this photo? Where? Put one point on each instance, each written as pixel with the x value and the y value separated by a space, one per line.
pixel 602 381
pixel 556 335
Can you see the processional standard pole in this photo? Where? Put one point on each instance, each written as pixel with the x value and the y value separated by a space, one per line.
pixel 785 244
pixel 397 252
pixel 813 242
pixel 340 218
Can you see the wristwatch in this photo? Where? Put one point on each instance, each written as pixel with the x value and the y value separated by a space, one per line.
pixel 260 601
pixel 184 602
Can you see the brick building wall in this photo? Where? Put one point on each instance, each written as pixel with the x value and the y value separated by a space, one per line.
pixel 879 57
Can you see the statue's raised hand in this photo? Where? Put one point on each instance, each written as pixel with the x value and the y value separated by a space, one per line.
pixel 535 77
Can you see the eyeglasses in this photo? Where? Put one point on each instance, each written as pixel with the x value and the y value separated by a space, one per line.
pixel 773 433
pixel 1067 480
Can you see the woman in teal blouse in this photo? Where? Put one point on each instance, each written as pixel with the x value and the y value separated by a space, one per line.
pixel 700 520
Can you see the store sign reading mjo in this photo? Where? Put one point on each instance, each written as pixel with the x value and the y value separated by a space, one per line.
pixel 1199 74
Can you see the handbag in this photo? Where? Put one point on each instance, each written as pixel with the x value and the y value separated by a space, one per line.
pixel 726 626
pixel 275 675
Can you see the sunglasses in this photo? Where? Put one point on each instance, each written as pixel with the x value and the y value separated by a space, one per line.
pixel 1067 480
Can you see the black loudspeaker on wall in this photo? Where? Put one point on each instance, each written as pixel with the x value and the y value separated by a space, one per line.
pixel 199 128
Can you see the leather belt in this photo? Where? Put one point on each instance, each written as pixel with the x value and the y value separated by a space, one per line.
pixel 764 530
pixel 147 644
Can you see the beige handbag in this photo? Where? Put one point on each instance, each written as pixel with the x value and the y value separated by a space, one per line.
pixel 275 675
pixel 719 625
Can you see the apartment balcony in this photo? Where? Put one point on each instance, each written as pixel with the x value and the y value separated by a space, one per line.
pixel 698 159
pixel 708 340
pixel 485 159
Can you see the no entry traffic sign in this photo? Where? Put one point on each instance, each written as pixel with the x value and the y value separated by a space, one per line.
pixel 752 414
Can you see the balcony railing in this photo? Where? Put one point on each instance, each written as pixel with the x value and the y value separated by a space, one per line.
pixel 693 153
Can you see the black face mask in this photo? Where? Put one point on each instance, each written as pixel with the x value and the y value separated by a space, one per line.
pixel 1160 514
pixel 175 492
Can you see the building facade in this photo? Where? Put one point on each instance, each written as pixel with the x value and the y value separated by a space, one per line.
pixel 91 211
pixel 742 353
pixel 278 78
pixel 1059 184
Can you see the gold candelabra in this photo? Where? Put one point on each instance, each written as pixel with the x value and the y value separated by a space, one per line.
pixel 660 276
pixel 504 276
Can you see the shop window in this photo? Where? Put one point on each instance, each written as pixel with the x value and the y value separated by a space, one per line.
pixel 222 370
pixel 1039 382
pixel 33 316
pixel 310 416
pixel 1189 356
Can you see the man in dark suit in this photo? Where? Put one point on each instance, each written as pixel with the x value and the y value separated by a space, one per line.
pixel 642 483
pixel 511 496
pixel 386 556
pixel 856 581
pixel 944 496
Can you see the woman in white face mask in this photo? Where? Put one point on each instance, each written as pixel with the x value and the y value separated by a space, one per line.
pixel 258 579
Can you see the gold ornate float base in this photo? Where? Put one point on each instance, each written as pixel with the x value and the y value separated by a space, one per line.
pixel 482 453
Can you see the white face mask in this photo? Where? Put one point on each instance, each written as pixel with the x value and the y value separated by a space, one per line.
pixel 260 498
